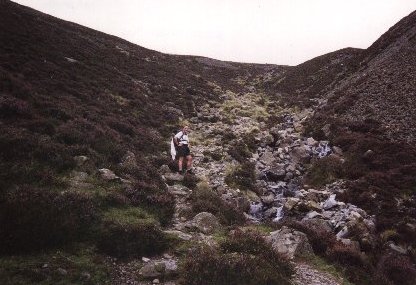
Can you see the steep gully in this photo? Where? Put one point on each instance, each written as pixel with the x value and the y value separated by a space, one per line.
pixel 280 157
pixel 280 160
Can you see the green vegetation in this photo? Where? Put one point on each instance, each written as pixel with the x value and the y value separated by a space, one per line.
pixel 243 258
pixel 77 265
pixel 204 199
pixel 323 265
pixel 242 149
pixel 242 176
pixel 246 105
pixel 130 232
pixel 324 171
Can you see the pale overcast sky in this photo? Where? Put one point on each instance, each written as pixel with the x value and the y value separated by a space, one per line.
pixel 268 31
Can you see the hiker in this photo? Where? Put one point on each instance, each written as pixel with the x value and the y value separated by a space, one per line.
pixel 181 141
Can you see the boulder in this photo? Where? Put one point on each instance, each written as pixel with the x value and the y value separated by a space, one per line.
pixel 164 169
pixel 397 248
pixel 159 268
pixel 343 233
pixel 268 199
pixel 267 158
pixel 80 159
pixel 173 177
pixel 312 206
pixel 205 222
pixel 330 202
pixel 316 195
pixel 351 243
pixel 291 203
pixel 269 213
pixel 311 142
pixel 337 150
pixel 276 173
pixel 300 154
pixel 290 242
pixel 108 175
pixel 314 221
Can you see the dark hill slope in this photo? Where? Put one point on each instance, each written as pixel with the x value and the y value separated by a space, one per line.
pixel 301 84
pixel 384 87
pixel 67 91
pixel 371 114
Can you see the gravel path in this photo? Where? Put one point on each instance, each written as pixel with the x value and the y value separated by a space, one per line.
pixel 307 275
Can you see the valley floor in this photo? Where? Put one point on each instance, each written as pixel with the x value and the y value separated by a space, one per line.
pixel 218 136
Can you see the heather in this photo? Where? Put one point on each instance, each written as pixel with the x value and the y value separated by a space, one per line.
pixel 317 152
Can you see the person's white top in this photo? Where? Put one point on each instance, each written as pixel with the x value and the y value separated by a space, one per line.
pixel 182 138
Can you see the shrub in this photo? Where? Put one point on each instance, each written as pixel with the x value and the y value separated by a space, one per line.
pixel 243 258
pixel 130 232
pixel 354 262
pixel 155 199
pixel 324 170
pixel 204 199
pixel 217 156
pixel 397 269
pixel 34 219
pixel 242 149
pixel 242 176
pixel 82 266
pixel 190 181
pixel 13 107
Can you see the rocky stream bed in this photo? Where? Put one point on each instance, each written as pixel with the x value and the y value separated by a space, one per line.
pixel 280 158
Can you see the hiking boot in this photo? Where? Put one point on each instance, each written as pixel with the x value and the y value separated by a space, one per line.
pixel 182 172
pixel 190 171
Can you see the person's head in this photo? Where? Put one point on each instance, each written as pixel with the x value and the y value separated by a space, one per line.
pixel 185 129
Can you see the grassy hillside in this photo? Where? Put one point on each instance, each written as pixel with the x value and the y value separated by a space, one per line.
pixel 74 100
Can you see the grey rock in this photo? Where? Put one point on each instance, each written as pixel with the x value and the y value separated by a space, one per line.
pixel 267 158
pixel 330 202
pixel 317 223
pixel 291 203
pixel 270 212
pixel 268 200
pixel 369 153
pixel 206 222
pixel 343 233
pixel 174 177
pixel 312 205
pixel 337 150
pixel 313 214
pixel 311 141
pixel 179 234
pixel 350 243
pixel 152 269
pixel 289 176
pixel 397 248
pixel 300 154
pixel 62 271
pixel 290 243
pixel 164 169
pixel 80 159
pixel 107 174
